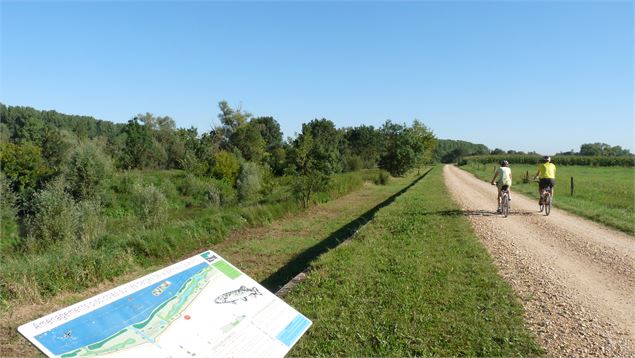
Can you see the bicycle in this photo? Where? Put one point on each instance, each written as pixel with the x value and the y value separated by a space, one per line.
pixel 504 208
pixel 545 200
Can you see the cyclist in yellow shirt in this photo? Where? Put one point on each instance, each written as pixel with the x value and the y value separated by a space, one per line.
pixel 547 174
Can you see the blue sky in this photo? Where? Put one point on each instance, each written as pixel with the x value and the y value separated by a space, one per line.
pixel 544 76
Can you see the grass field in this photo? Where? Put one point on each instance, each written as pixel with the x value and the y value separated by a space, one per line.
pixel 271 253
pixel 412 282
pixel 603 194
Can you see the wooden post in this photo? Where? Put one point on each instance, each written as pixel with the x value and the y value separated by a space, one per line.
pixel 571 186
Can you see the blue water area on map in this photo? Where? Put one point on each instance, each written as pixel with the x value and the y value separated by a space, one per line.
pixel 105 321
pixel 292 332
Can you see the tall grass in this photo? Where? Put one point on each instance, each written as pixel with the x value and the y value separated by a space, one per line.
pixel 602 194
pixel 172 227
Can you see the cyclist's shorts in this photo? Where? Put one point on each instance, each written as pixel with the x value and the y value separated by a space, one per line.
pixel 545 182
pixel 504 187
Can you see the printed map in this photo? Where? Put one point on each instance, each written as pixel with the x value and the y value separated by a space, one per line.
pixel 199 307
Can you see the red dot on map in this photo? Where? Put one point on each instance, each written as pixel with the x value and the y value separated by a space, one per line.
pixel 187 316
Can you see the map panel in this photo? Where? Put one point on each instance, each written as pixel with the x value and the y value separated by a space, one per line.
pixel 199 307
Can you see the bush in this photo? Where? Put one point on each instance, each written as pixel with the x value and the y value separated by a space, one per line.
pixel 56 217
pixel 8 220
pixel 226 166
pixel 354 163
pixel 150 205
pixel 191 185
pixel 125 183
pixel 249 182
pixel 226 192
pixel 211 196
pixel 87 170
pixel 305 187
pixel 90 223
pixel 382 178
pixel 24 167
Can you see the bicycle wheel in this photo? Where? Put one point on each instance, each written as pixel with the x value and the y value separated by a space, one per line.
pixel 505 205
pixel 548 205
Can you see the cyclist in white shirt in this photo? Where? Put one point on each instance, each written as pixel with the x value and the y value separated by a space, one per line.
pixel 504 175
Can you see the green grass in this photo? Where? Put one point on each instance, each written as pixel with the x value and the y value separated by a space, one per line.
pixel 602 194
pixel 129 245
pixel 415 281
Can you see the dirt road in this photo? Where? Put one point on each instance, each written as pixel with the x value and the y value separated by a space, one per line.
pixel 576 279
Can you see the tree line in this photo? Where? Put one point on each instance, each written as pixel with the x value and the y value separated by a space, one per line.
pixel 48 158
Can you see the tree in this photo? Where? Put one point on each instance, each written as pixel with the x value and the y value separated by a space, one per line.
pixel 231 118
pixel 248 140
pixel 401 147
pixel 425 142
pixel 602 149
pixel 23 166
pixel 320 139
pixel 269 130
pixel 364 142
pixel 311 177
pixel 55 147
pixel 137 151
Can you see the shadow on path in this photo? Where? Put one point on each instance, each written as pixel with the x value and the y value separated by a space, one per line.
pixel 302 261
pixel 477 213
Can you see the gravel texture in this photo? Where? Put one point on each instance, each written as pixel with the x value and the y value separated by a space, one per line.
pixel 575 278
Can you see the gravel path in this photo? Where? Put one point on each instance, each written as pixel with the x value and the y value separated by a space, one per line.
pixel 576 279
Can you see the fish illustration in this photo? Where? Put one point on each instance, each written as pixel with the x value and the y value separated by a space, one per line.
pixel 242 293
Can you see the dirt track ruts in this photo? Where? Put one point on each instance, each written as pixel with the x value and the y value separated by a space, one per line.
pixel 575 278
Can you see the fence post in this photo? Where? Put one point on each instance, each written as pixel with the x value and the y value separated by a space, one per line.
pixel 571 186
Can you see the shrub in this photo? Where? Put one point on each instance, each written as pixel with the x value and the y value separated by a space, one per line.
pixel 191 185
pixel 354 163
pixel 8 220
pixel 305 187
pixel 125 182
pixel 56 216
pixel 226 166
pixel 90 223
pixel 226 192
pixel 23 165
pixel 87 170
pixel 149 203
pixel 211 196
pixel 382 178
pixel 249 182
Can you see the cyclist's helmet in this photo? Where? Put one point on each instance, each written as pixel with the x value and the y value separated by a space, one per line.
pixel 504 163
pixel 546 158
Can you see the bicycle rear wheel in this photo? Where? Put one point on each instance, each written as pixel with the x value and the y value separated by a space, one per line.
pixel 505 205
pixel 548 205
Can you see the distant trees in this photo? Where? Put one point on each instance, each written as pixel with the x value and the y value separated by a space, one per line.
pixel 58 165
pixel 603 149
pixel 450 151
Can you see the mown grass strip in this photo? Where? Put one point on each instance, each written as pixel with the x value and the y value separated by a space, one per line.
pixel 602 194
pixel 412 282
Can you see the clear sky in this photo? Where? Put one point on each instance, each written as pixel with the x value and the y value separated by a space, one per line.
pixel 544 76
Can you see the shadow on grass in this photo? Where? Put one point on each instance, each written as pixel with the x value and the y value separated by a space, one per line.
pixel 302 261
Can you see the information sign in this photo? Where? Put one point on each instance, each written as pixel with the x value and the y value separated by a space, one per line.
pixel 199 307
